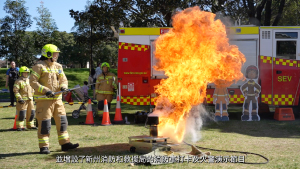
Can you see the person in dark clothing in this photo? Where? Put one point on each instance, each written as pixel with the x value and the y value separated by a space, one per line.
pixel 12 74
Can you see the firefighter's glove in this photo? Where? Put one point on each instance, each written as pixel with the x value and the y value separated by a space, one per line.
pixel 64 90
pixel 50 94
pixel 21 101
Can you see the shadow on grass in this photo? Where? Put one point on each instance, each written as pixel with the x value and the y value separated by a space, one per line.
pixel 266 127
pixel 6 130
pixel 3 156
pixel 82 119
pixel 9 118
pixel 107 149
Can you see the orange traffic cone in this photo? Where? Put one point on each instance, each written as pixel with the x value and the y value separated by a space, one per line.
pixel 89 117
pixel 15 124
pixel 118 116
pixel 105 118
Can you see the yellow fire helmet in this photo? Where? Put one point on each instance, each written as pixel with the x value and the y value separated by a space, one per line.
pixel 24 69
pixel 48 50
pixel 105 64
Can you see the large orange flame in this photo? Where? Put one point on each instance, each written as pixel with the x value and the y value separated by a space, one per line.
pixel 193 53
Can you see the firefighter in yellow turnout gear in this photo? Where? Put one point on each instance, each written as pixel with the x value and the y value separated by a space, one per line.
pixel 106 84
pixel 46 79
pixel 24 94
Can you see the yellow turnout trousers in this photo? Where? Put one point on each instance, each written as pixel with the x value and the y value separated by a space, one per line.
pixel 26 109
pixel 45 110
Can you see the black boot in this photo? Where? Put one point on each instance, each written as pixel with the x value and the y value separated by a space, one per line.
pixel 225 118
pixel 34 128
pixel 255 117
pixel 68 146
pixel 218 118
pixel 44 150
pixel 245 117
pixel 19 129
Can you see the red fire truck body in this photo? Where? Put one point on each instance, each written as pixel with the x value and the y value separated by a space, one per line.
pixel 274 50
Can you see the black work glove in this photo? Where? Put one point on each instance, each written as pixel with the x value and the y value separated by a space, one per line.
pixel 64 90
pixel 50 94
pixel 21 101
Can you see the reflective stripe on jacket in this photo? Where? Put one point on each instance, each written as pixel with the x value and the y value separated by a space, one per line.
pixel 105 83
pixel 47 76
pixel 22 89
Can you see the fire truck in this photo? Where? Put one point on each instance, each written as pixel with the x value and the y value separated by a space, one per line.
pixel 274 50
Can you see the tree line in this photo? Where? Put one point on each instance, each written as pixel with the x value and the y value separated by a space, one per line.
pixel 92 34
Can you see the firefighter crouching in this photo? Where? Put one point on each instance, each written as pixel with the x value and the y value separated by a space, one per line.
pixel 46 79
pixel 24 94
pixel 106 84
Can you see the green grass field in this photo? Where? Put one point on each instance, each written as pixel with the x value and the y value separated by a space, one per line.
pixel 279 141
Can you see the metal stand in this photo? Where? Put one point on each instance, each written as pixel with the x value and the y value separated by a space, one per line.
pixel 145 144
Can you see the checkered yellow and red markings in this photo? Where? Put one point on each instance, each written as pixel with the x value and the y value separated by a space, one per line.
pixel 233 98
pixel 285 62
pixel 132 46
pixel 135 100
pixel 266 59
pixel 236 98
pixel 277 61
pixel 209 98
pixel 146 100
pixel 278 99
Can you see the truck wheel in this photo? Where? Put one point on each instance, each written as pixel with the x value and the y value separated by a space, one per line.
pixel 75 114
pixel 132 149
pixel 296 111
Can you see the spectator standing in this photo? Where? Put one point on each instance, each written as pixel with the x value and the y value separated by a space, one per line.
pixel 12 74
pixel 98 70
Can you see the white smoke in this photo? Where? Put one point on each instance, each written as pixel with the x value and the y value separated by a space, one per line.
pixel 194 123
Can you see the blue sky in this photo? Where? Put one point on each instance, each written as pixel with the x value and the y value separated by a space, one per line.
pixel 59 10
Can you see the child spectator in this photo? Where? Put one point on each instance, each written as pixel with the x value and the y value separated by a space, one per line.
pixel 85 88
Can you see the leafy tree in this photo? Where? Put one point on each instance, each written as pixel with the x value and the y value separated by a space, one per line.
pixel 65 42
pixel 107 52
pixel 13 37
pixel 256 12
pixel 260 12
pixel 45 26
pixel 291 14
pixel 92 26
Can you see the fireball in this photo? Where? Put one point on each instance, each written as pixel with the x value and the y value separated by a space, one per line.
pixel 192 54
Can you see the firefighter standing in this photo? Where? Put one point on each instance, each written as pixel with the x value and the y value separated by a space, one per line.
pixel 46 79
pixel 106 84
pixel 251 90
pixel 221 100
pixel 25 107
